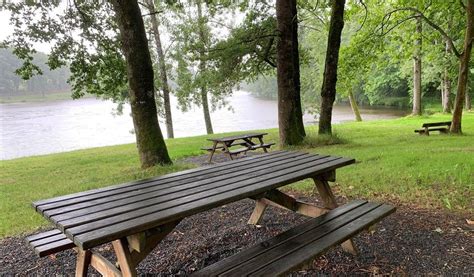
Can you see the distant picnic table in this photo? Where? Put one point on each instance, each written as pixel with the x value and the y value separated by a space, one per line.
pixel 426 128
pixel 136 216
pixel 244 140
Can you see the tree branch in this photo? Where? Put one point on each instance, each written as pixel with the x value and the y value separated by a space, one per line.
pixel 433 25
pixel 153 13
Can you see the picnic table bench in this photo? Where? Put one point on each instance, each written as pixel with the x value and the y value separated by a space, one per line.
pixel 245 140
pixel 136 216
pixel 442 127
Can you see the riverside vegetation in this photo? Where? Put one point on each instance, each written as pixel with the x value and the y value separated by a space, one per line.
pixel 393 163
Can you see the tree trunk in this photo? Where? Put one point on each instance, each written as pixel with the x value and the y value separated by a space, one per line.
pixel 468 101
pixel 290 114
pixel 328 90
pixel 354 106
pixel 446 92
pixel 162 66
pixel 463 69
pixel 150 142
pixel 417 69
pixel 202 68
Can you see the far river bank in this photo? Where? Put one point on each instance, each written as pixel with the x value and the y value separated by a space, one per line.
pixel 39 128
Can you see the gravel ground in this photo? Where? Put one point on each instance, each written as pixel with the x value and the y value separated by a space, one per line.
pixel 412 241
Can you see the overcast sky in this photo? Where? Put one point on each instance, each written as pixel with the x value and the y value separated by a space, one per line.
pixel 6 30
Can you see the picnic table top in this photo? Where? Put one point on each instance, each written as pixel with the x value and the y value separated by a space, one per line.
pixel 98 216
pixel 434 124
pixel 242 136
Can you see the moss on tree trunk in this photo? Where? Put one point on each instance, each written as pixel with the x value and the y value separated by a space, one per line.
pixel 328 89
pixel 290 114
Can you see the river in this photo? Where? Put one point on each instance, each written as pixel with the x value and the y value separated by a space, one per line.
pixel 29 129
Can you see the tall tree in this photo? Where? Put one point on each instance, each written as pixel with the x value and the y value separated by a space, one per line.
pixel 151 145
pixel 290 114
pixel 463 69
pixel 203 37
pixel 417 68
pixel 328 90
pixel 446 85
pixel 162 68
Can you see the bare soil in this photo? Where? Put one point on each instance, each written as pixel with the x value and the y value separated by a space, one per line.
pixel 413 241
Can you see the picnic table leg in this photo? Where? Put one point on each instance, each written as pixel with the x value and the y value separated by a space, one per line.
pixel 226 148
pixel 124 258
pixel 330 203
pixel 83 262
pixel 258 211
pixel 261 143
pixel 212 151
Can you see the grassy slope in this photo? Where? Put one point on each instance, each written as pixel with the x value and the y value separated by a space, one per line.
pixel 393 162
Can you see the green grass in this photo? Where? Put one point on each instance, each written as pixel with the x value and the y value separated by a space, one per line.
pixel 392 163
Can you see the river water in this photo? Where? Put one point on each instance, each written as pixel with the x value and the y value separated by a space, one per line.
pixel 28 129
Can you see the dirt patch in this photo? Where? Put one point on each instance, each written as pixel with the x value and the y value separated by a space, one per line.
pixel 412 241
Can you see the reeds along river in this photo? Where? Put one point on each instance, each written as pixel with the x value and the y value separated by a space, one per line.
pixel 41 128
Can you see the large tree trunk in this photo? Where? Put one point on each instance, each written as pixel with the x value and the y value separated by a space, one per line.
pixel 162 66
pixel 463 69
pixel 150 142
pixel 417 70
pixel 202 68
pixel 354 106
pixel 290 114
pixel 328 90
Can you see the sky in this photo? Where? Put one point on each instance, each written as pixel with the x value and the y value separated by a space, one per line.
pixel 6 30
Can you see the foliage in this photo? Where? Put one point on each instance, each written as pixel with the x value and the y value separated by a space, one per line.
pixel 83 36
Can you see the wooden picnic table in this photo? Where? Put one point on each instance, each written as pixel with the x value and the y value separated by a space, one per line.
pixel 442 127
pixel 137 215
pixel 244 140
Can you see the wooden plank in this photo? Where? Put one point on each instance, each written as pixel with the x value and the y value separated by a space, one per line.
pixel 43 235
pixel 86 209
pixel 51 248
pixel 236 137
pixel 248 189
pixel 264 145
pixel 301 239
pixel 255 250
pixel 316 247
pixel 177 175
pixel 206 173
pixel 258 211
pixel 157 204
pixel 435 124
pixel 124 258
pixel 83 261
pixel 103 265
pixel 48 240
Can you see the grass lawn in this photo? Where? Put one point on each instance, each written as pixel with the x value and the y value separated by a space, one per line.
pixel 392 163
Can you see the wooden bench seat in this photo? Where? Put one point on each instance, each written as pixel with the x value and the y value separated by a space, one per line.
pixel 253 147
pixel 49 242
pixel 222 147
pixel 301 244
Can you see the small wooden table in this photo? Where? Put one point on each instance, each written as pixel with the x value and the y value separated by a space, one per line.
pixel 244 140
pixel 136 216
